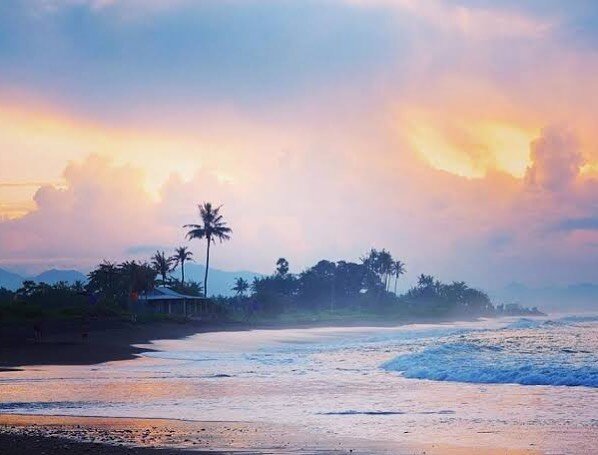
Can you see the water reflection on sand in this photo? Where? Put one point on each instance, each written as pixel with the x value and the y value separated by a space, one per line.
pixel 328 381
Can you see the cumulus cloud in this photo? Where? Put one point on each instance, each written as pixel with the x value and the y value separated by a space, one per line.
pixel 489 230
pixel 360 149
pixel 555 160
pixel 101 209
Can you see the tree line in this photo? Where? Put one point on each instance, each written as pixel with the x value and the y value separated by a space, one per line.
pixel 368 285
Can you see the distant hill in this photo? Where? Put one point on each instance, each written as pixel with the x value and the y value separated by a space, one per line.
pixel 54 276
pixel 10 280
pixel 13 281
pixel 220 281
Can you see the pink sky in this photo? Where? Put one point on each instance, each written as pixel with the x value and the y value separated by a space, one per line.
pixel 460 136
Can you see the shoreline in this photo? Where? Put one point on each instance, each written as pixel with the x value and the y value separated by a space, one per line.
pixel 136 435
pixel 14 444
pixel 106 341
pixel 145 436
pixel 114 340
pixel 56 434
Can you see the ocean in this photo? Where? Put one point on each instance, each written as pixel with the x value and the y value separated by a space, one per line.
pixel 510 382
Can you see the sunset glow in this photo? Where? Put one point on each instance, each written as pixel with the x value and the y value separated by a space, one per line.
pixel 298 227
pixel 446 130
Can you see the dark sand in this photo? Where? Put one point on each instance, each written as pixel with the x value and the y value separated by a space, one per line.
pixel 62 343
pixel 110 340
pixel 54 435
pixel 113 340
pixel 29 434
pixel 39 445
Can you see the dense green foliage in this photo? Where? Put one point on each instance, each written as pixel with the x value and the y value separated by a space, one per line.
pixel 108 292
pixel 334 290
pixel 40 301
pixel 355 289
pixel 116 284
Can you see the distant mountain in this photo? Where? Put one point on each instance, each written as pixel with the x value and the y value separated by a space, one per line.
pixel 581 296
pixel 54 276
pixel 10 280
pixel 13 281
pixel 220 281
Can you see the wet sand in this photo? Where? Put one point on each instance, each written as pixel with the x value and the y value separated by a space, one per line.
pixel 26 434
pixel 49 435
pixel 107 341
pixel 99 435
pixel 111 340
pixel 27 445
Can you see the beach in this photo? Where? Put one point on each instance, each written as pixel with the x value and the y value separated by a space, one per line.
pixel 25 434
pixel 127 435
pixel 118 339
pixel 319 390
pixel 105 341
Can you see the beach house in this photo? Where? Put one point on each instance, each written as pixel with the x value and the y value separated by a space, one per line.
pixel 166 301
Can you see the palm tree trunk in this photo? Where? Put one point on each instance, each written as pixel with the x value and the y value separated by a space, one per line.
pixel 396 279
pixel 183 272
pixel 205 278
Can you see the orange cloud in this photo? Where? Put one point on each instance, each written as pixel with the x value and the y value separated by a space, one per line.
pixel 308 209
pixel 470 147
pixel 556 160
pixel 37 142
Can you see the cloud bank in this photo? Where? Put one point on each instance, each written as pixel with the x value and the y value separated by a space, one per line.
pixel 488 229
pixel 325 127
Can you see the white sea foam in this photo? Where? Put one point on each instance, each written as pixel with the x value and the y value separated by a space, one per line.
pixel 529 352
pixel 330 380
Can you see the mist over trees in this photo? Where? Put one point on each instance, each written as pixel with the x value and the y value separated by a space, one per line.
pixel 367 287
pixel 363 286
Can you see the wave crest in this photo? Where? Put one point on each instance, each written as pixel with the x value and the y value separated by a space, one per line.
pixel 475 363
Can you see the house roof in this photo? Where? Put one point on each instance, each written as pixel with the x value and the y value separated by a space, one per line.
pixel 164 293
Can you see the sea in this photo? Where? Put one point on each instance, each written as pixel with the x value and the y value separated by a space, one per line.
pixel 515 382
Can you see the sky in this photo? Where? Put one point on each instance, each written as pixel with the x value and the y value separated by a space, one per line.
pixel 460 134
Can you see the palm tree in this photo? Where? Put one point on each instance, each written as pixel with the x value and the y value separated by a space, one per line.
pixel 162 264
pixel 282 267
pixel 385 265
pixel 213 227
pixel 181 255
pixel 398 269
pixel 425 281
pixel 240 287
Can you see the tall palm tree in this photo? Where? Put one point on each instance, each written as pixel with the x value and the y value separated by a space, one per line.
pixel 240 287
pixel 181 255
pixel 385 265
pixel 162 264
pixel 398 269
pixel 213 227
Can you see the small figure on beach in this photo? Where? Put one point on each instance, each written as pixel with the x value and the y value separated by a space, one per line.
pixel 38 331
pixel 84 329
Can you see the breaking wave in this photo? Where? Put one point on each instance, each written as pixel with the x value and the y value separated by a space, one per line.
pixel 479 363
